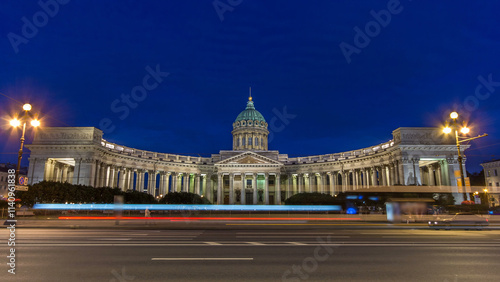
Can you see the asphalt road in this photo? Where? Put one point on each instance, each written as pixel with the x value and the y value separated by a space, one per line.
pixel 259 253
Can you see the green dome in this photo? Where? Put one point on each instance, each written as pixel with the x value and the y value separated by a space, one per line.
pixel 250 113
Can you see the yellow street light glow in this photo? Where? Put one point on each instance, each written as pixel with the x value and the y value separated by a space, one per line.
pixel 35 123
pixel 464 130
pixel 485 190
pixel 27 107
pixel 454 115
pixel 447 130
pixel 15 123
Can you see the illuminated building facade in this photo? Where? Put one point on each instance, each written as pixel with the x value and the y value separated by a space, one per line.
pixel 248 174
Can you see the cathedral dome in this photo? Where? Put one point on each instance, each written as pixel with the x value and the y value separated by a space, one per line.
pixel 250 130
pixel 250 113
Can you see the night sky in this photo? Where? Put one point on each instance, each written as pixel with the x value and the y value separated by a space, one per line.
pixel 72 62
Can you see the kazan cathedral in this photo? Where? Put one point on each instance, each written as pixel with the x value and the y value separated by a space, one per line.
pixel 250 173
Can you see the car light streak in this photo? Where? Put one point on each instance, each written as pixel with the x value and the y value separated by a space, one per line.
pixel 142 207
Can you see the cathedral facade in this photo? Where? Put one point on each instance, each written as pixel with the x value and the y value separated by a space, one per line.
pixel 248 174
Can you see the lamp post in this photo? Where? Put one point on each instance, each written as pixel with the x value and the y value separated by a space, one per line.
pixel 464 130
pixel 15 123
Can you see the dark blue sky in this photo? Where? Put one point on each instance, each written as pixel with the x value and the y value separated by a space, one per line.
pixel 425 62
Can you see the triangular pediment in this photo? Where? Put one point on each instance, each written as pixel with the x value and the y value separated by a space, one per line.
pixel 249 158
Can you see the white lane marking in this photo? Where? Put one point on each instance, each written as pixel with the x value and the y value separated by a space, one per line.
pixel 282 233
pixel 297 243
pixel 295 236
pixel 213 243
pixel 256 243
pixel 184 259
pixel 110 239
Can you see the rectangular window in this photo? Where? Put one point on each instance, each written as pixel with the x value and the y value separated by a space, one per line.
pixel 498 184
pixel 249 182
pixel 496 172
pixel 489 184
pixel 488 174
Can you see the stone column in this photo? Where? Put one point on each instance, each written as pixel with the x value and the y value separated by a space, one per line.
pixel 125 179
pixel 186 182
pixel 431 175
pixel 138 180
pixel 231 189
pixel 289 189
pixel 131 180
pixel 392 174
pixel 197 188
pixel 384 175
pixel 266 189
pixel 310 176
pixel 121 182
pixel 277 193
pixel 354 173
pixel 56 172
pixel 104 175
pixel 374 176
pixel 220 193
pixel 167 183
pixel 208 191
pixel 416 171
pixel 64 173
pixel 152 189
pixel 111 178
pixel 175 180
pixel 401 172
pixel 332 187
pixel 243 187
pixel 162 184
pixel 254 187
pixel 368 177
pixel 300 182
pixel 97 174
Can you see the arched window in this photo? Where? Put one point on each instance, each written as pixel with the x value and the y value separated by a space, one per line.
pixel 256 141
pixel 262 142
pixel 237 141
pixel 242 141
pixel 250 141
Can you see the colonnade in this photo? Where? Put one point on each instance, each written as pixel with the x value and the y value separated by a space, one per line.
pixel 253 187
pixel 58 171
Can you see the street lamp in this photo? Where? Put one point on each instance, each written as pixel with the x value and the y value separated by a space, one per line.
pixel 15 123
pixel 464 130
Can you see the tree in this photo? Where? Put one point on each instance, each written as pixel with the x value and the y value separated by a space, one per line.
pixel 181 198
